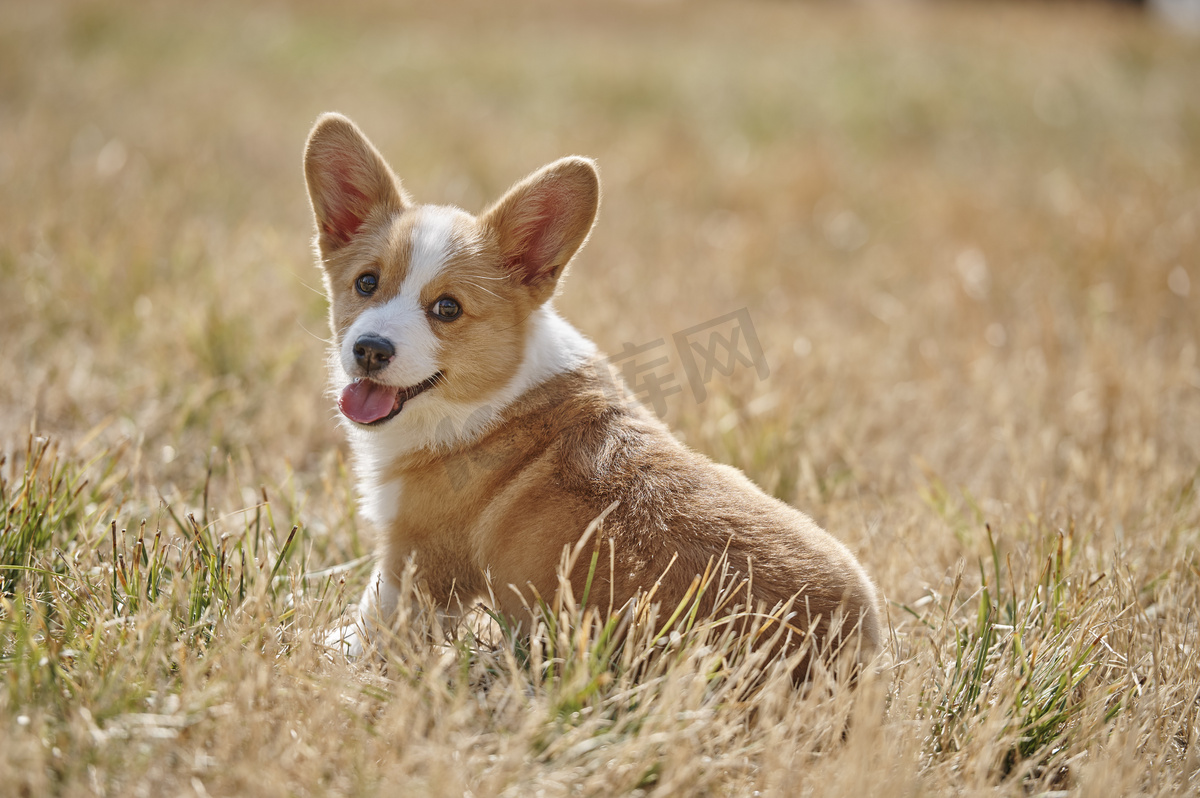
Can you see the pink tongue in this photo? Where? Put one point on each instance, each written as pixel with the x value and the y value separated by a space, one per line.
pixel 365 401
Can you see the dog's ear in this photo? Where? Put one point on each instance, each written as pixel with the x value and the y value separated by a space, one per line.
pixel 543 221
pixel 349 183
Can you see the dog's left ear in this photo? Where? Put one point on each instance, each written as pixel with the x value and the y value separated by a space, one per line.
pixel 543 221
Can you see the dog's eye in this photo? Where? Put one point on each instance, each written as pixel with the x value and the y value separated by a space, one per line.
pixel 366 284
pixel 446 309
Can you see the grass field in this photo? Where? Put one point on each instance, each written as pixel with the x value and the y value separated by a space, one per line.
pixel 967 235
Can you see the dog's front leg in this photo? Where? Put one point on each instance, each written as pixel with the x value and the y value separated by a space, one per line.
pixel 375 613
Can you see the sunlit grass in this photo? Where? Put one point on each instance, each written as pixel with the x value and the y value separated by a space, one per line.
pixel 966 234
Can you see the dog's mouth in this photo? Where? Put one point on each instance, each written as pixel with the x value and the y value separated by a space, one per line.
pixel 370 403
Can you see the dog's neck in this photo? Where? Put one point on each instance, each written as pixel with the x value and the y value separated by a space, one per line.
pixel 435 428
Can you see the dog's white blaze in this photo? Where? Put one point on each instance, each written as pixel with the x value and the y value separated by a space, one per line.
pixel 432 238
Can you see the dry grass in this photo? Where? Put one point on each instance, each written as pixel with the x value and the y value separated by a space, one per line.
pixel 968 238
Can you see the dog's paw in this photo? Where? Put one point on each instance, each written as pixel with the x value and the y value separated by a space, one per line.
pixel 346 639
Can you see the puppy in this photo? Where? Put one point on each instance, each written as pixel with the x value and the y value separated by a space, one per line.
pixel 488 434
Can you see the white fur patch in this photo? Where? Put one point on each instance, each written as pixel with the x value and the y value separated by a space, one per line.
pixel 381 502
pixel 554 347
pixel 432 237
pixel 380 599
pixel 376 610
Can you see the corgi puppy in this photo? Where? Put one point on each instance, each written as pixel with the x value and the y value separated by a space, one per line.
pixel 488 433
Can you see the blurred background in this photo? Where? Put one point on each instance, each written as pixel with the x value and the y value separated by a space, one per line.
pixel 966 234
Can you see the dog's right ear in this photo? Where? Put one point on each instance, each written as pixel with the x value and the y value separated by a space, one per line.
pixel 349 183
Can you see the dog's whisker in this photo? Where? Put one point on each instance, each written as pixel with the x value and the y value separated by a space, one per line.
pixel 481 288
pixel 319 292
pixel 327 341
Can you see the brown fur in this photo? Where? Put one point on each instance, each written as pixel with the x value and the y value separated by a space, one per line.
pixel 563 454
pixel 504 504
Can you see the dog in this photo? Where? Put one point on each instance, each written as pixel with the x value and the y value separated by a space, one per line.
pixel 488 435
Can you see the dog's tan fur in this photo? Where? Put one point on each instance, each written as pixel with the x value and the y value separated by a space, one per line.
pixel 505 499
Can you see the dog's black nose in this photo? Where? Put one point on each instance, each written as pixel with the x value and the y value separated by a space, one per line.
pixel 372 352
